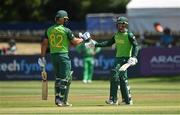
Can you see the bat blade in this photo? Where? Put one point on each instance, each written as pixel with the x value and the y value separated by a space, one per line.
pixel 44 90
pixel 44 85
pixel 124 67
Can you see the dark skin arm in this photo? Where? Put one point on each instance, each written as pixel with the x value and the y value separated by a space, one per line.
pixel 44 46
pixel 76 41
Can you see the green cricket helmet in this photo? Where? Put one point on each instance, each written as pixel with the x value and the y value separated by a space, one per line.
pixel 62 14
pixel 122 20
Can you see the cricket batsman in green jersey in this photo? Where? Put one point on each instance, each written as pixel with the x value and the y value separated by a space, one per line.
pixel 126 52
pixel 58 37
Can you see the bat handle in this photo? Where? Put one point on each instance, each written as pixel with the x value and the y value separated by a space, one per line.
pixel 44 75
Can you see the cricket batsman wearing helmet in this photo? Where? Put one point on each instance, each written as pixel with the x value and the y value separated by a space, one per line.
pixel 58 37
pixel 126 52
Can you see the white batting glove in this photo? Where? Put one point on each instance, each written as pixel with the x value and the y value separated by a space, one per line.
pixel 132 61
pixel 125 67
pixel 42 62
pixel 90 44
pixel 86 36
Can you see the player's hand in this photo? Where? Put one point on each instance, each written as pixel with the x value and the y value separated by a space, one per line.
pixel 42 62
pixel 132 61
pixel 90 44
pixel 86 36
pixel 44 75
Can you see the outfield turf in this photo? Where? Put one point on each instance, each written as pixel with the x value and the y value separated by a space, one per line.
pixel 151 96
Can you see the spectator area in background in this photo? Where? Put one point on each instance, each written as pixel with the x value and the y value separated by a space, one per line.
pixel 31 32
pixel 142 14
pixel 101 25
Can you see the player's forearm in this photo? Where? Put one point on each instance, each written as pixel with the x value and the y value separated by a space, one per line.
pixel 76 41
pixel 105 43
pixel 43 51
pixel 44 46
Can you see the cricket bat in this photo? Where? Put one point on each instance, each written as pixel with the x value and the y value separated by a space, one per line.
pixel 44 84
pixel 125 67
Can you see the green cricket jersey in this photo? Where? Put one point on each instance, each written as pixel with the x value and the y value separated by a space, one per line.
pixel 123 45
pixel 59 38
pixel 126 44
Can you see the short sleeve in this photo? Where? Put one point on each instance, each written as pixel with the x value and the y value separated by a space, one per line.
pixel 70 35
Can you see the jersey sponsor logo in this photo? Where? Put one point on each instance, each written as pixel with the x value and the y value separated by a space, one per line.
pixel 120 41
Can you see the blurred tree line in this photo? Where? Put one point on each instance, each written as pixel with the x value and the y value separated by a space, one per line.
pixel 45 10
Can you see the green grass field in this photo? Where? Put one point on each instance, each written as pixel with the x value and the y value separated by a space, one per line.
pixel 151 96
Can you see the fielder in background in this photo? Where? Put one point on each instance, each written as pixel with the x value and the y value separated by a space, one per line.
pixel 58 37
pixel 88 61
pixel 126 52
pixel 11 49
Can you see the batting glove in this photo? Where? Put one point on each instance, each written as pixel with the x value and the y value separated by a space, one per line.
pixel 132 61
pixel 90 44
pixel 42 62
pixel 86 36
pixel 80 35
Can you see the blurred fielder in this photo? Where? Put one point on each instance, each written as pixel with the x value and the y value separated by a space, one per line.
pixel 126 55
pixel 59 37
pixel 88 61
